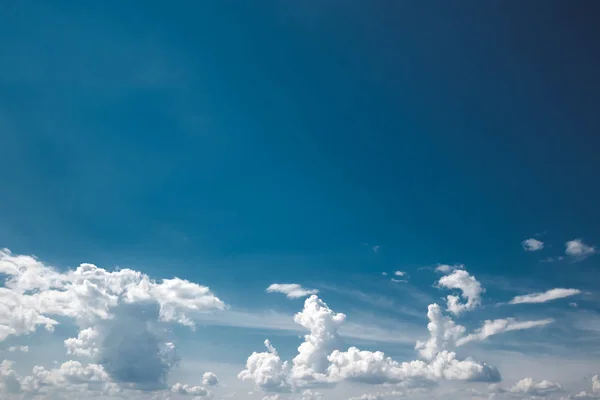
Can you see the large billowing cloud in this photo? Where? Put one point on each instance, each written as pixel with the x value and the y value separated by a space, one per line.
pixel 119 314
pixel 319 360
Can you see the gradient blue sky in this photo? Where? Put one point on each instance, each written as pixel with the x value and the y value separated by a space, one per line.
pixel 238 144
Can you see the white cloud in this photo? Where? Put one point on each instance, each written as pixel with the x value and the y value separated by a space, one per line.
pixel 291 290
pixel 267 371
pixel 368 396
pixel 322 323
pixel 444 333
pixel 117 313
pixel 85 344
pixel 530 387
pixel 543 297
pixel 320 361
pixel 13 349
pixel 398 280
pixel 190 390
pixel 447 268
pixel 497 326
pixel 577 249
pixel 469 286
pixel 532 244
pixel 375 368
pixel 596 384
pixel 209 379
pixel 400 273
pixel 273 397
pixel 9 379
pixel 312 395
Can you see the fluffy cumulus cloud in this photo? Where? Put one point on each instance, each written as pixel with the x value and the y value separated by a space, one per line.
pixel 121 345
pixel 471 291
pixel 119 315
pixel 291 290
pixel 321 362
pixel 543 297
pixel 185 389
pixel 444 333
pixel 267 370
pixel 210 379
pixel 578 250
pixel 532 244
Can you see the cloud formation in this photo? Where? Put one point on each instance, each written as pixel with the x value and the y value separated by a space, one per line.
pixel 470 288
pixel 530 387
pixel 291 290
pixel 118 313
pixel 532 244
pixel 319 360
pixel 552 294
pixel 578 250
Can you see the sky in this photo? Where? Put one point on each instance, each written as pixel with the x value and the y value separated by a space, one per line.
pixel 299 200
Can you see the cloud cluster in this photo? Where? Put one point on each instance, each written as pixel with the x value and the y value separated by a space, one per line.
pixel 119 315
pixel 319 360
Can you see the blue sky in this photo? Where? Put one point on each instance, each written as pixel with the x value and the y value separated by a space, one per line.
pixel 321 143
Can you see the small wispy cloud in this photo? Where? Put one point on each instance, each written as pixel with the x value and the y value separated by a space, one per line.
pixel 578 250
pixel 23 349
pixel 532 244
pixel 552 259
pixel 497 326
pixel 399 280
pixel 400 273
pixel 291 290
pixel 447 268
pixel 543 297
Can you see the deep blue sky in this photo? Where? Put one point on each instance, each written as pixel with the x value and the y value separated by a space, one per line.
pixel 237 144
pixel 257 137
